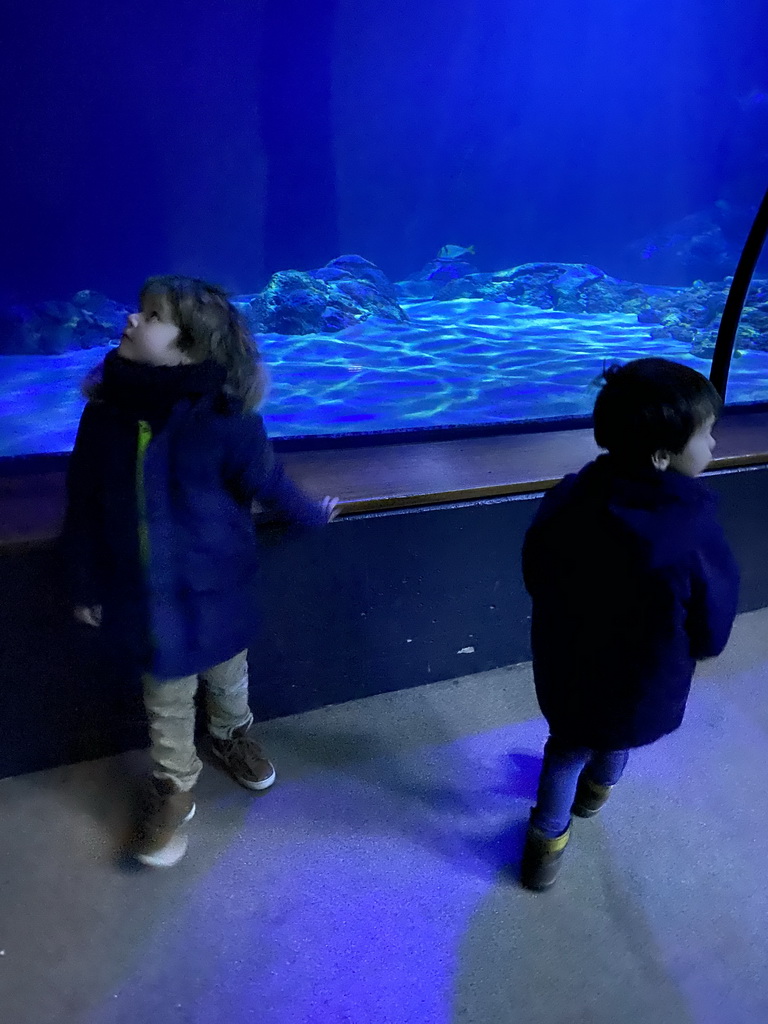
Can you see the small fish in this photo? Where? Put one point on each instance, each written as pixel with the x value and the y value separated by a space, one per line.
pixel 455 252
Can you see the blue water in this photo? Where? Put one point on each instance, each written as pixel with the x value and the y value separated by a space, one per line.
pixel 467 361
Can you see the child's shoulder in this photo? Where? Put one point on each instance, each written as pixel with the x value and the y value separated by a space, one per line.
pixel 571 490
pixel 237 425
pixel 94 413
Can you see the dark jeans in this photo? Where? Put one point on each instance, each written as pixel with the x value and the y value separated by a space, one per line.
pixel 559 778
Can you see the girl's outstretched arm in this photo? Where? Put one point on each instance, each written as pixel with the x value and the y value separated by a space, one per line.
pixel 254 473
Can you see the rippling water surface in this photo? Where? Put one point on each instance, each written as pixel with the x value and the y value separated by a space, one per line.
pixel 463 362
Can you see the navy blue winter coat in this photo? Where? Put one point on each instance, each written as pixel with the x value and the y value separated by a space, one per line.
pixel 158 528
pixel 632 581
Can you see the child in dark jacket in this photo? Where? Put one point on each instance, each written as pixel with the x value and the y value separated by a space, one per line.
pixel 159 537
pixel 632 582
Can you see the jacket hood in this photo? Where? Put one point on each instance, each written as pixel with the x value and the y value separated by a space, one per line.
pixel 664 510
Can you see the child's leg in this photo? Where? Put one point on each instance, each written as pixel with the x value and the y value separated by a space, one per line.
pixel 161 840
pixel 607 766
pixel 230 718
pixel 226 696
pixel 170 708
pixel 550 825
pixel 601 774
pixel 557 787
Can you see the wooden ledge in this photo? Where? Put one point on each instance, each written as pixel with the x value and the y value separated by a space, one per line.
pixel 403 476
pixel 388 477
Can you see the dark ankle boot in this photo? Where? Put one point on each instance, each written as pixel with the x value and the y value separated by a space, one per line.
pixel 590 797
pixel 541 858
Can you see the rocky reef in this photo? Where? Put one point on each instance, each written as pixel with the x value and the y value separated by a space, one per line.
pixel 570 287
pixel 704 245
pixel 52 328
pixel 351 289
pixel 347 290
pixel 688 314
pixel 692 315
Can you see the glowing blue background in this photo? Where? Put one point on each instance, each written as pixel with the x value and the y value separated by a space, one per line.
pixel 236 139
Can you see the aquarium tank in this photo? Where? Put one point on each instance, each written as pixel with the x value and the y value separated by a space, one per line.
pixel 432 215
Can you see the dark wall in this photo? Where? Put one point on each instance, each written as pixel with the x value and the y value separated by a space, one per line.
pixel 236 138
pixel 131 144
pixel 375 603
pixel 155 136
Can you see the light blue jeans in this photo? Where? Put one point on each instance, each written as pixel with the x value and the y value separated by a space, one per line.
pixel 560 776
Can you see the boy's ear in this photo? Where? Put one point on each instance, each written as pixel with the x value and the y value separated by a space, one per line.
pixel 661 459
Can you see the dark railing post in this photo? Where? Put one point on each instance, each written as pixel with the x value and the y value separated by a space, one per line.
pixel 729 323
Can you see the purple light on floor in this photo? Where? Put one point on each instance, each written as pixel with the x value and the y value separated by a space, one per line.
pixel 344 897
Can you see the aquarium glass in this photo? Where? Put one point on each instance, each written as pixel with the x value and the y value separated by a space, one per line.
pixel 431 214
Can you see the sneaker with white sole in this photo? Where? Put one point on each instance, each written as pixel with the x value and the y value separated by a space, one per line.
pixel 161 841
pixel 244 759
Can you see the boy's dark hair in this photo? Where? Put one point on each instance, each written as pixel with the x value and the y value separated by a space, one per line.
pixel 652 404
pixel 210 327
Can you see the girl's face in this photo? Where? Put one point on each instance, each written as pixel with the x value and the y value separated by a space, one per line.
pixel 697 454
pixel 151 336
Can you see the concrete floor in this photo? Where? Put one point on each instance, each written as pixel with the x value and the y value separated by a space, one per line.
pixel 373 884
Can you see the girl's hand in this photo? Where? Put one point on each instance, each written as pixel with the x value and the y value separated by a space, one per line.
pixel 89 616
pixel 331 508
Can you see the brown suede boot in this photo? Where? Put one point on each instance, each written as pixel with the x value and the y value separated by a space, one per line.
pixel 244 759
pixel 541 859
pixel 161 842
